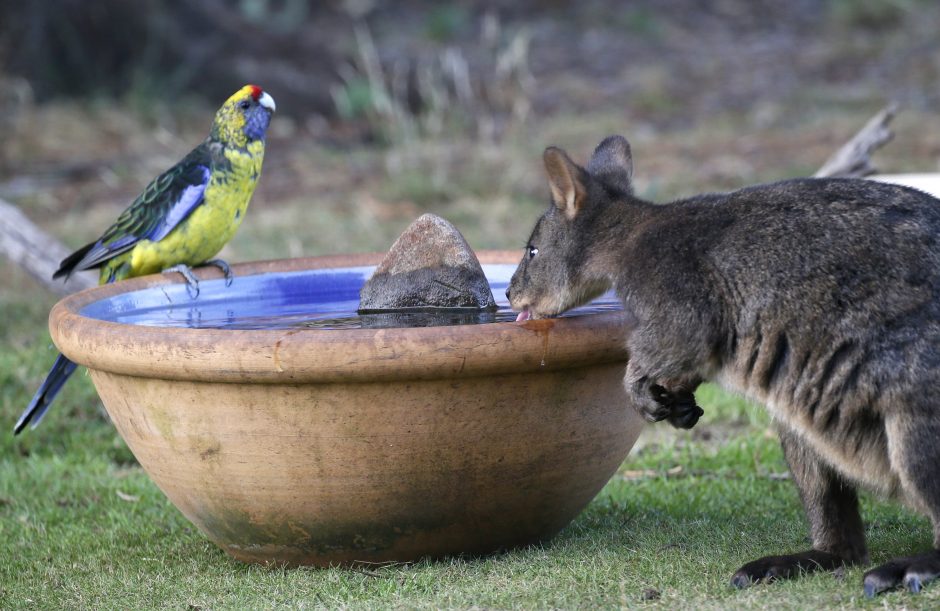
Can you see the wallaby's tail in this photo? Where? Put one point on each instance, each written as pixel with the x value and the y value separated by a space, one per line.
pixel 60 372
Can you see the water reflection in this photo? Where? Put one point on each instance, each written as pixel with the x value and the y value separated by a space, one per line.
pixel 195 319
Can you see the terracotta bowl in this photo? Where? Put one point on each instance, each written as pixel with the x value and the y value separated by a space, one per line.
pixel 313 446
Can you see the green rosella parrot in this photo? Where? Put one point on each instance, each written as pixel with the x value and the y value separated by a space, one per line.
pixel 183 218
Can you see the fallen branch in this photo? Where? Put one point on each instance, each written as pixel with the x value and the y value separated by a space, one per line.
pixel 853 160
pixel 37 252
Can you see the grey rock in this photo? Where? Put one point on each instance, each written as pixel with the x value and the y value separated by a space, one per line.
pixel 429 266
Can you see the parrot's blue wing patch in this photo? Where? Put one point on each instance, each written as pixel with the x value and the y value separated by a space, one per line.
pixel 188 199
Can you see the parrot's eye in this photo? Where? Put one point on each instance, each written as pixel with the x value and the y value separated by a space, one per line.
pixel 244 105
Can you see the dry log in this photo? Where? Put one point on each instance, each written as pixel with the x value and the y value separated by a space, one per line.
pixel 853 160
pixel 36 251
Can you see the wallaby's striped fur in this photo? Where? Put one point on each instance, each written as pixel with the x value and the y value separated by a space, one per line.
pixel 819 298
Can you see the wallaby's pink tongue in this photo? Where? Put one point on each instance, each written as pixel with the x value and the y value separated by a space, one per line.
pixel 523 315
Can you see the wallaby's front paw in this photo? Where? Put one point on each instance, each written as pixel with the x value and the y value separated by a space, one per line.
pixel 679 407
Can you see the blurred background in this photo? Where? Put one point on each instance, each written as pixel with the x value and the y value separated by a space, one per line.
pixel 389 109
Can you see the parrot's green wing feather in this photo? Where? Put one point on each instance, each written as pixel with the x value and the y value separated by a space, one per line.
pixel 166 201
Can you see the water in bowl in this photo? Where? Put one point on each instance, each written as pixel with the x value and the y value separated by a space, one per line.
pixel 313 299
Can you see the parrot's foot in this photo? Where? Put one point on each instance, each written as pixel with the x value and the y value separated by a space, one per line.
pixel 192 283
pixel 229 276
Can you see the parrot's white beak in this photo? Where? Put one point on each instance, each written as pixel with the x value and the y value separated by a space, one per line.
pixel 267 101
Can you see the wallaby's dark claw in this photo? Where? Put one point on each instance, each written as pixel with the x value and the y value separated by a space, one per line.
pixel 741 581
pixel 686 417
pixel 656 414
pixel 661 395
pixel 876 584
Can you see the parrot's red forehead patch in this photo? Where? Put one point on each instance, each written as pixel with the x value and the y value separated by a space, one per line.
pixel 255 92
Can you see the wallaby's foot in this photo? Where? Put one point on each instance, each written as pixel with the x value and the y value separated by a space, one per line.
pixel 787 566
pixel 226 270
pixel 913 572
pixel 192 283
pixel 680 407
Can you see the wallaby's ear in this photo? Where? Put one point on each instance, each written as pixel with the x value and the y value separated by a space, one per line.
pixel 612 163
pixel 566 180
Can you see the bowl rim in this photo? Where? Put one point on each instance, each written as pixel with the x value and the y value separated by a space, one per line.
pixel 328 356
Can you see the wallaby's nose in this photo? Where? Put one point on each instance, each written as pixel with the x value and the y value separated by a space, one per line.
pixel 507 293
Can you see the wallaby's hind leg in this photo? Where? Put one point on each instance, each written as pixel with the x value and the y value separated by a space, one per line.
pixel 831 507
pixel 915 455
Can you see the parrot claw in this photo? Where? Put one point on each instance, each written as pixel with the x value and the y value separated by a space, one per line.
pixel 192 283
pixel 226 270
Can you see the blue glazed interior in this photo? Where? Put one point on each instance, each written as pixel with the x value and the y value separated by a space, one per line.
pixel 316 298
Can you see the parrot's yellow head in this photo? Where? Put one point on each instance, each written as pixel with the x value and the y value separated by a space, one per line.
pixel 244 117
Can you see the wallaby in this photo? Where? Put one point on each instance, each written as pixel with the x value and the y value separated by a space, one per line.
pixel 819 298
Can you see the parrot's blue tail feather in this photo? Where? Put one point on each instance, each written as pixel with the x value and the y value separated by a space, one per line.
pixel 61 370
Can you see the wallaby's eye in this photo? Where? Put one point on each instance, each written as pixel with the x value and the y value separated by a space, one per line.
pixel 533 251
pixel 244 105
